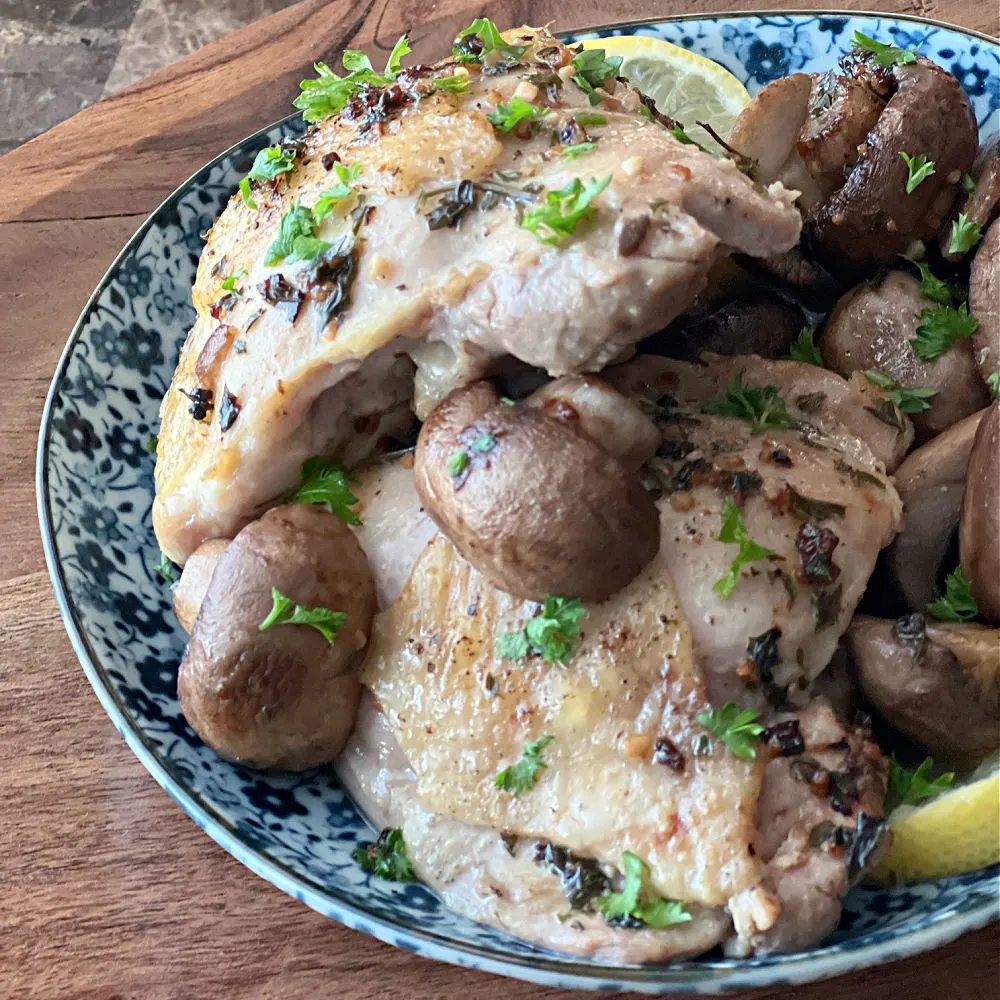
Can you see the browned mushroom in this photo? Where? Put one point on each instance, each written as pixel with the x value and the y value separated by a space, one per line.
pixel 872 217
pixel 535 506
pixel 193 585
pixel 930 482
pixel 937 682
pixel 979 528
pixel 984 303
pixel 284 696
pixel 982 205
pixel 872 326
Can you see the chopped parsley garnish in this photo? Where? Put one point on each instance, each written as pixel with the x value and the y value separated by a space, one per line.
pixel 914 787
pixel 455 84
pixel 328 93
pixel 229 285
pixel 296 238
pixel 915 400
pixel 734 532
pixel 590 119
pixel 593 68
pixel 552 633
pixel 763 407
pixel 458 462
pixel 805 350
pixel 964 234
pixel 166 570
pixel 386 858
pixel 283 612
pixel 933 288
pixel 885 55
pixel 736 727
pixel 326 481
pixel 556 219
pixel 523 776
pixel 958 604
pixel 993 381
pixel 267 165
pixel 482 42
pixel 919 167
pixel 939 329
pixel 510 114
pixel 330 199
pixel 485 442
pixel 577 149
pixel 639 900
pixel 968 185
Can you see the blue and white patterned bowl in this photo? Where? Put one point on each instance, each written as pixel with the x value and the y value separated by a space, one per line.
pixel 95 491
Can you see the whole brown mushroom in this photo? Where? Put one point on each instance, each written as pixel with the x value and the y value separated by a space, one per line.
pixel 984 303
pixel 538 508
pixel 979 528
pixel 872 326
pixel 284 697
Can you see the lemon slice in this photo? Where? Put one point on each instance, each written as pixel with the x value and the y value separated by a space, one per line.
pixel 685 86
pixel 957 832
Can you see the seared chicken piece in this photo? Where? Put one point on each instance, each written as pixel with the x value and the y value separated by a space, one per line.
pixel 314 358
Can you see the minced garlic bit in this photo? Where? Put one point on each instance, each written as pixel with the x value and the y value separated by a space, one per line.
pixel 638 747
pixel 633 166
pixel 567 72
pixel 380 268
pixel 526 90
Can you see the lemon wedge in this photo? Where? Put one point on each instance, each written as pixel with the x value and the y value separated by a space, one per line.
pixel 957 832
pixel 685 86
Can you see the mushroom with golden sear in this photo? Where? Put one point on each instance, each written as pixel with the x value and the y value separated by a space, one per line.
pixel 930 482
pixel 532 502
pixel 984 303
pixel 979 527
pixel 981 205
pixel 269 678
pixel 937 682
pixel 872 326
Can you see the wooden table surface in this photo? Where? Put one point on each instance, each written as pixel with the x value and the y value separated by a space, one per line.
pixel 107 890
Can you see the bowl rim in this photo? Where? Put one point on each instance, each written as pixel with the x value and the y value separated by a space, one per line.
pixel 711 976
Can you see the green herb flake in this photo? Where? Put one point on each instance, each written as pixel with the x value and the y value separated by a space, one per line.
pixel 166 570
pixel 556 219
pixel 590 119
pixel 938 330
pixel 737 728
pixel 639 900
pixel 958 604
pixel 458 462
pixel 914 787
pixel 152 443
pixel 885 55
pixel 763 407
pixel 229 285
pixel 576 150
pixel 485 442
pixel 325 481
pixel 734 532
pixel 915 400
pixel 283 612
pixel 919 169
pixel 400 49
pixel 552 633
pixel 805 350
pixel 510 114
pixel 506 401
pixel 964 234
pixel 330 199
pixel 268 164
pixel 808 509
pixel 386 858
pixel 933 288
pixel 993 381
pixel 523 776
pixel 968 185
pixel 296 239
pixel 492 48
pixel 594 68
pixel 456 84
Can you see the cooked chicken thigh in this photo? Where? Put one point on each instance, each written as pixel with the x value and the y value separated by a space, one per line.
pixel 428 260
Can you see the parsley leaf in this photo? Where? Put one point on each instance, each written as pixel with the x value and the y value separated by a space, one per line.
pixel 885 55
pixel 968 185
pixel 455 84
pixel 914 787
pixel 805 350
pixel 329 200
pixel 639 900
pixel 297 224
pixel 328 93
pixel 552 633
pixel 386 858
pixel 229 285
pixel 458 462
pixel 400 49
pixel 964 234
pixel 919 167
pixel 510 114
pixel 576 149
pixel 913 400
pixel 166 570
pixel 480 40
pixel 593 68
pixel 933 288
pixel 556 219
pixel 762 407
pixel 523 776
pixel 152 443
pixel 590 119
pixel 329 623
pixel 268 164
pixel 736 727
pixel 939 329
pixel 958 604
pixel 734 532
pixel 325 481
pixel 993 381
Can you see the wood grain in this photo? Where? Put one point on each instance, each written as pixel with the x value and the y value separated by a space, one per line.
pixel 107 891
